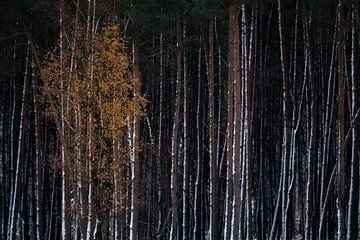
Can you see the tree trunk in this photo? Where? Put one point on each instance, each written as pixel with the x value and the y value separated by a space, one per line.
pixel 174 142
pixel 214 199
pixel 185 191
pixel 38 158
pixel 14 196
pixel 311 141
pixel 135 154
pixel 286 119
pixel 160 162
pixel 238 117
pixel 62 123
pixel 354 108
pixel 249 122
pixel 341 125
pixel 198 185
pixel 230 120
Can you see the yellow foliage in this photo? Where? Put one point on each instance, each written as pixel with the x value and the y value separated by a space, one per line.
pixel 96 90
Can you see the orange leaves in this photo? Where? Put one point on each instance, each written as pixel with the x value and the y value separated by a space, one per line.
pixel 96 90
pixel 97 79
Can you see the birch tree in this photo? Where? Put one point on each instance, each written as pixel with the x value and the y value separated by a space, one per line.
pixel 341 125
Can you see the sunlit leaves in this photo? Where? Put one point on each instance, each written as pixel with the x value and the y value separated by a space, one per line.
pixel 95 94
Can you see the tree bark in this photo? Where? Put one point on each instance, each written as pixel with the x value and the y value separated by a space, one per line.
pixel 198 185
pixel 230 120
pixel 214 199
pixel 14 196
pixel 185 215
pixel 311 141
pixel 38 157
pixel 62 124
pixel 341 125
pixel 135 163
pixel 285 118
pixel 354 125
pixel 174 144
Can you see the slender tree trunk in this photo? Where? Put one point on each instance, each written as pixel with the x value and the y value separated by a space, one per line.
pixel 14 198
pixel 214 199
pixel 292 203
pixel 12 137
pixel 230 121
pixel 76 171
pixel 353 126
pixel 327 129
pixel 90 183
pixel 135 164
pixel 249 121
pixel 286 119
pixel 62 124
pixel 237 121
pixel 174 142
pixel 356 124
pixel 197 191
pixel 341 125
pixel 91 120
pixel 38 158
pixel 311 147
pixel 185 218
pixel 3 161
pixel 160 162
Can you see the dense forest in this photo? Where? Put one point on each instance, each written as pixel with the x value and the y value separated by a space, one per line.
pixel 179 119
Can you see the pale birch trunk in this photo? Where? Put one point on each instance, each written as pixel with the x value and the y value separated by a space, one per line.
pixel 15 192
pixel 135 154
pixel 286 120
pixel 353 126
pixel 214 206
pixel 296 117
pixel 311 138
pixel 160 177
pixel 12 137
pixel 330 105
pixel 62 124
pixel 249 117
pixel 185 190
pixel 197 194
pixel 341 125
pixel 38 157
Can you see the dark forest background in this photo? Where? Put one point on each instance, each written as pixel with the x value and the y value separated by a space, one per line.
pixel 238 120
